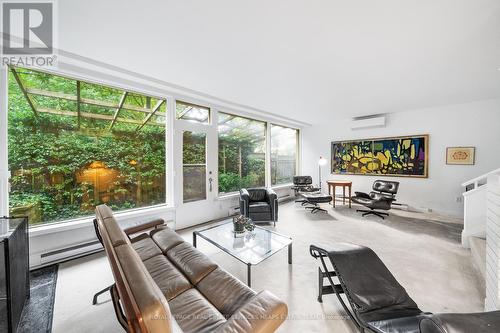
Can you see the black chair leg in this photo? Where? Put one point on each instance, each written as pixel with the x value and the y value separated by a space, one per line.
pixel 372 212
pixel 314 208
pixel 94 300
pixel 320 284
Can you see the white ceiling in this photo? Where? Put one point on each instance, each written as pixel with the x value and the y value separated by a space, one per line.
pixel 303 59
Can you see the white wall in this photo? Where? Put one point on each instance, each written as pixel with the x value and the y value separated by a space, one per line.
pixel 472 124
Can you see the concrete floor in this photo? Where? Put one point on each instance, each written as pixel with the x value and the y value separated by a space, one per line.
pixel 423 252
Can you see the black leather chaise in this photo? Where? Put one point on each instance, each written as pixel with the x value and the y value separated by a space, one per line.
pixel 376 302
pixel 259 204
pixel 303 184
pixel 381 198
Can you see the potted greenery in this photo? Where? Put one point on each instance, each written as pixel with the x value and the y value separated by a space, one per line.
pixel 239 223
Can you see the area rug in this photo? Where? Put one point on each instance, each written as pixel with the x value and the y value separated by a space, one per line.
pixel 39 309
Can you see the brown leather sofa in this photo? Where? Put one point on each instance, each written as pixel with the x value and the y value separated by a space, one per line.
pixel 163 284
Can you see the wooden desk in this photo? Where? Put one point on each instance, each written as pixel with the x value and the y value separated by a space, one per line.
pixel 332 184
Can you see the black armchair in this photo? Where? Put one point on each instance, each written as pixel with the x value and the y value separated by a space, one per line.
pixel 381 198
pixel 259 204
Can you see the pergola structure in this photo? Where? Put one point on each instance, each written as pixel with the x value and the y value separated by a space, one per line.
pixel 79 114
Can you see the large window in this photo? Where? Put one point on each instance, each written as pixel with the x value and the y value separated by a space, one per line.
pixel 73 145
pixel 242 153
pixel 283 154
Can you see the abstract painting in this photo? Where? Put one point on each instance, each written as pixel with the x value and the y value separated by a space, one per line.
pixel 397 156
pixel 460 155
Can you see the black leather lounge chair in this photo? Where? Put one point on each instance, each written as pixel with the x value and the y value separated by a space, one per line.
pixel 381 198
pixel 259 204
pixel 303 184
pixel 376 302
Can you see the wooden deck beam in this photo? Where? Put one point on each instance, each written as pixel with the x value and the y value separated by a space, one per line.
pixel 152 113
pixel 94 116
pixel 117 111
pixel 24 91
pixel 69 97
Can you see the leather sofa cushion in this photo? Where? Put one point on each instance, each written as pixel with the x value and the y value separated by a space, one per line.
pixel 259 207
pixel 166 238
pixel 151 303
pixel 258 217
pixel 257 194
pixel 368 281
pixel 194 313
pixel 224 291
pixel 484 322
pixel 115 233
pixel 168 278
pixel 145 247
pixel 191 262
pixel 263 313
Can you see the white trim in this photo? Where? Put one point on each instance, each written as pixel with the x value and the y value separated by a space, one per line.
pixel 227 196
pixel 482 177
pixel 267 163
pixel 4 164
pixel 281 186
pixel 84 222
pixel 169 146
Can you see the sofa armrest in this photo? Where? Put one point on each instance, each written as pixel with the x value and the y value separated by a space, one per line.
pixel 272 199
pixel 263 313
pixel 271 195
pixel 244 202
pixel 136 226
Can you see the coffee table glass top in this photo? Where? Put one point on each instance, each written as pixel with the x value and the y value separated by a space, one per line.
pixel 250 247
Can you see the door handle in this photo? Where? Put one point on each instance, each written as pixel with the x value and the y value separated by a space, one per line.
pixel 210 183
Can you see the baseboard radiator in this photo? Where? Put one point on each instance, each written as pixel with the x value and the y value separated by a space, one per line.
pixel 68 253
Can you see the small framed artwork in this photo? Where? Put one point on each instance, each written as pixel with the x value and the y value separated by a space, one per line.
pixel 460 155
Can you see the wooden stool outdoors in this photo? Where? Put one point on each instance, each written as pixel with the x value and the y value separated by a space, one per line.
pixel 332 184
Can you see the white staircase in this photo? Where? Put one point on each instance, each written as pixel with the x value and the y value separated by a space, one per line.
pixel 478 251
pixel 475 207
pixel 481 231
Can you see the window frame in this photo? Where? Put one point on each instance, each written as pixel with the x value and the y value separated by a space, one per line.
pixel 134 82
pixel 297 154
pixel 199 105
pixel 6 174
pixel 266 147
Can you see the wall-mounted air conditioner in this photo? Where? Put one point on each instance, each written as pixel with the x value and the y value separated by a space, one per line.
pixel 368 122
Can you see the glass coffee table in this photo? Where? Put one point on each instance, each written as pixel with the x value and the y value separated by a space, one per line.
pixel 250 248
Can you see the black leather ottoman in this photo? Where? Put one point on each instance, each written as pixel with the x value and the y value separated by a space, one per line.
pixel 314 199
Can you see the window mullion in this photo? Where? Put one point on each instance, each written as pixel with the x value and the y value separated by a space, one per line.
pixel 268 155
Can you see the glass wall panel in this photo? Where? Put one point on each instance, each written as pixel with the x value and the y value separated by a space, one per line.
pixel 283 154
pixel 74 145
pixel 242 152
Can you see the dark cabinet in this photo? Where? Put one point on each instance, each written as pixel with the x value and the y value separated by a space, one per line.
pixel 14 273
